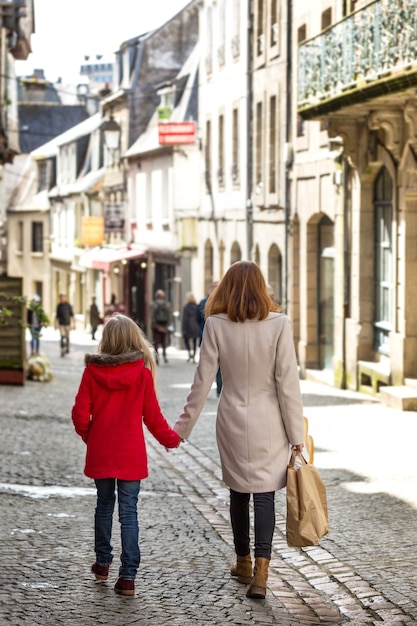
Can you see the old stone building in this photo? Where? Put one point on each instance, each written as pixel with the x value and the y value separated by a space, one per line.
pixel 354 194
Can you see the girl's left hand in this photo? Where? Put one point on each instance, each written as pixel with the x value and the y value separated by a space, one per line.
pixel 298 447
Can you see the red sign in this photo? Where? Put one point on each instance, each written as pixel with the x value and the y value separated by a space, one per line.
pixel 171 133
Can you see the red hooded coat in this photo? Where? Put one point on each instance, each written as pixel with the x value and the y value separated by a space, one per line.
pixel 116 396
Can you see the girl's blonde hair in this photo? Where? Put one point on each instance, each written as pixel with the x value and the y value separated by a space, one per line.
pixel 121 334
pixel 242 294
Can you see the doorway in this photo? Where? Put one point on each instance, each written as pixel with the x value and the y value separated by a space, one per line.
pixel 326 294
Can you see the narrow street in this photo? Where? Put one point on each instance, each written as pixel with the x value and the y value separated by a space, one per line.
pixel 363 572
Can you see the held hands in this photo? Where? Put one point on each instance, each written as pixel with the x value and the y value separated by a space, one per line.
pixel 177 446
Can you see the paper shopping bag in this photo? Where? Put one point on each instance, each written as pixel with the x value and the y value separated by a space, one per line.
pixel 307 515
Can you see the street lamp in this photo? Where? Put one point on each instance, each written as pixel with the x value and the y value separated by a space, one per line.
pixel 111 130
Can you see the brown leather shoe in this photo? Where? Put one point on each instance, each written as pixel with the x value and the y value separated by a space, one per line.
pixel 242 569
pixel 257 587
pixel 101 572
pixel 125 587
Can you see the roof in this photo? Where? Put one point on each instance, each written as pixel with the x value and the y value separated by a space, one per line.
pixel 86 127
pixel 149 140
pixel 40 123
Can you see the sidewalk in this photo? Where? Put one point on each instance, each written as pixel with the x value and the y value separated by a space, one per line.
pixel 364 572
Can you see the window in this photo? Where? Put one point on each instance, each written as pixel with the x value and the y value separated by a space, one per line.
pixel 260 37
pixel 208 154
pixel 165 198
pixel 221 33
pixel 274 23
pixel 272 145
pixel 235 43
pixel 220 172
pixel 209 42
pixel 19 238
pixel 37 237
pixel 43 182
pixel 348 7
pixel 258 145
pixel 235 145
pixel 383 193
pixel 149 200
pixel 301 126
pixel 302 33
pixel 326 19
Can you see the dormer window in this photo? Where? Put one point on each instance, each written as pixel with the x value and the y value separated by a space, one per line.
pixel 166 105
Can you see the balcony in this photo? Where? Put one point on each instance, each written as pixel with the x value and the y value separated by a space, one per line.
pixel 371 53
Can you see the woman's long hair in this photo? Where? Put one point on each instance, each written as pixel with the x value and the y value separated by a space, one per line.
pixel 122 335
pixel 242 294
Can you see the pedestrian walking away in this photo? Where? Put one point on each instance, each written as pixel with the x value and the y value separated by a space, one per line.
pixel 64 319
pixel 115 398
pixel 201 319
pixel 161 318
pixel 189 326
pixel 95 319
pixel 260 411
pixel 36 319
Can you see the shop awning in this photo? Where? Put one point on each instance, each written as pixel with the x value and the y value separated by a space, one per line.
pixel 102 258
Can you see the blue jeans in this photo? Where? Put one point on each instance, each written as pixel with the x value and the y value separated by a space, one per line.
pixel 34 339
pixel 127 492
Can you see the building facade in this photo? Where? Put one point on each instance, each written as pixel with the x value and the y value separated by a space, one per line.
pixel 355 197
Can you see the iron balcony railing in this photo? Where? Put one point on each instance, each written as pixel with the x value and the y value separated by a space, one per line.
pixel 373 44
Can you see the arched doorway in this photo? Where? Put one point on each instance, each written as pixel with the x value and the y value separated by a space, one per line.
pixel 235 253
pixel 383 210
pixel 275 271
pixel 325 275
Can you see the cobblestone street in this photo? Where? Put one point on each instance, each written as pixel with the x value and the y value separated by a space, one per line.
pixel 363 572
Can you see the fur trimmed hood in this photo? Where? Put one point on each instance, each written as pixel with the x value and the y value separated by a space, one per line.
pixel 116 371
pixel 113 359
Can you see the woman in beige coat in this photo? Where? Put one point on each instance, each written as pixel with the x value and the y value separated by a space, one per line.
pixel 260 412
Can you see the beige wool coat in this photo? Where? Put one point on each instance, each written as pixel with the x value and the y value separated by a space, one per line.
pixel 260 411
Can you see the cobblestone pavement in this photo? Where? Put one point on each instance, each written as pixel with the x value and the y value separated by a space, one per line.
pixel 363 572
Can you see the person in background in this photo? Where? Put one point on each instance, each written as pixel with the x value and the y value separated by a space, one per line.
pixel 65 320
pixel 189 326
pixel 201 319
pixel 95 319
pixel 115 398
pixel 161 318
pixel 36 320
pixel 260 412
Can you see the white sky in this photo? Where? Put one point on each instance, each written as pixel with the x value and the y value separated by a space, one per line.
pixel 65 30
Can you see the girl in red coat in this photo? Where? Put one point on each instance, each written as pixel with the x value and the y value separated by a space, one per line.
pixel 116 396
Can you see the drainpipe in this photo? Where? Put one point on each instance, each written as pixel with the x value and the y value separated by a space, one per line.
pixel 346 266
pixel 249 143
pixel 288 150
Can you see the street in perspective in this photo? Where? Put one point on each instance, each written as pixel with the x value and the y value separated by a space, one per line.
pixel 363 572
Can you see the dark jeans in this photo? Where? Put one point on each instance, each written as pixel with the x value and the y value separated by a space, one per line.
pixel 127 491
pixel 188 342
pixel 264 510
pixel 159 340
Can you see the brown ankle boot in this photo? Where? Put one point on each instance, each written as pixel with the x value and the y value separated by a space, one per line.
pixel 242 569
pixel 257 587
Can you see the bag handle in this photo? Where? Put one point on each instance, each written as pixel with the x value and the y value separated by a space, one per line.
pixel 294 454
